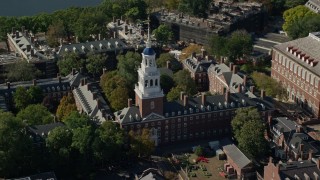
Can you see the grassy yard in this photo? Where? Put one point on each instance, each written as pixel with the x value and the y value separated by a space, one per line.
pixel 211 168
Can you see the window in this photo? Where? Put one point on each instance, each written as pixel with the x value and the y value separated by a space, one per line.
pixel 146 83
pixel 156 82
pixel 151 82
pixel 152 105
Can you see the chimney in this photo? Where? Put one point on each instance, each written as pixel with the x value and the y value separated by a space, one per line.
pixel 127 21
pixel 17 34
pixel 235 69
pixel 85 80
pixel 185 100
pixel 301 148
pixel 26 34
pixel 310 155
pixel 104 70
pixel 59 79
pixel 231 66
pixel 298 129
pixel 126 28
pixel 318 163
pixel 269 120
pixel 73 71
pixel 270 159
pixel 203 99
pixel 32 39
pixel 82 82
pixel 245 80
pixel 227 96
pixel 118 22
pixel 88 87
pixel 32 52
pixel 168 64
pixel 81 70
pixel 34 82
pixel 94 95
pixel 28 47
pixel 113 19
pixel 99 37
pixel 22 29
pixel 8 85
pixel 13 30
pixel 181 95
pixel 98 103
pixel 262 94
pixel 239 88
pixel 252 89
pixel 204 53
pixel 129 102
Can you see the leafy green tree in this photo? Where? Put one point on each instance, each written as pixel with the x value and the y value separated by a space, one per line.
pixel 66 106
pixel 162 61
pixel 21 98
pixel 55 32
pixel 50 103
pixel 95 62
pixel 140 143
pixel 119 98
pixel 163 34
pixel 302 27
pixel 110 81
pixel 69 61
pixel 171 4
pixel 108 142
pixel 21 71
pixel 36 94
pixel 249 132
pixel 293 3
pixel 15 154
pixel 196 8
pixel 217 45
pixel 238 45
pixel 166 83
pixel 294 14
pixel 128 65
pixel 183 79
pixel 75 120
pixel 199 151
pixel 35 114
pixel 174 93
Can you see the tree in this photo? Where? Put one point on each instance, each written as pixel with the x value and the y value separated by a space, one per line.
pixel 174 93
pixel 239 44
pixel 302 27
pixel 110 81
pixel 166 83
pixel 128 65
pixel 171 4
pixel 294 14
pixel 293 3
pixel 119 98
pixel 140 142
pixel 183 79
pixel 66 106
pixel 55 33
pixel 162 61
pixel 163 34
pixel 21 71
pixel 15 151
pixel 50 103
pixel 36 94
pixel 21 98
pixel 69 61
pixel 108 142
pixel 35 114
pixel 186 52
pixel 217 45
pixel 95 63
pixel 75 120
pixel 249 132
pixel 199 151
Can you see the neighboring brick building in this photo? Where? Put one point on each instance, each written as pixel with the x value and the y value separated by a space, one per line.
pixel 184 119
pixel 290 140
pixel 222 77
pixel 296 65
pixel 198 68
pixel 306 169
pixel 238 165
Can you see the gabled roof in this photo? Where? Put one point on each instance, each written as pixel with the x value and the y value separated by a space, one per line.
pixel 197 64
pixel 43 130
pixel 236 155
pixel 300 169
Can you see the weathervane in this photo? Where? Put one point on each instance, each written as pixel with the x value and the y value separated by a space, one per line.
pixel 148 41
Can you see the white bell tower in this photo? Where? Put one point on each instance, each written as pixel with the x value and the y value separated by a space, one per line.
pixel 148 91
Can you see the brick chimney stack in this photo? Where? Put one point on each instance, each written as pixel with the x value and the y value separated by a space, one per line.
pixel 17 34
pixel 227 96
pixel 185 100
pixel 262 94
pixel 34 82
pixel 129 102
pixel 231 66
pixel 239 88
pixel 168 64
pixel 235 69
pixel 245 80
pixel 73 71
pixel 181 95
pixel 203 99
pixel 8 85
pixel 252 88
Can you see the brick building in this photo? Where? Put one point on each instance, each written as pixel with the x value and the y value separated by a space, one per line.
pixel 184 119
pixel 221 77
pixel 198 68
pixel 306 169
pixel 296 65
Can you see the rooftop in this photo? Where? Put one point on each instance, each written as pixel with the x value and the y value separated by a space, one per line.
pixel 236 155
pixel 44 130
pixel 299 170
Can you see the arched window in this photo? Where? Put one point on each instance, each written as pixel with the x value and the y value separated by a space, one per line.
pixel 156 82
pixel 151 82
pixel 146 61
pixel 146 83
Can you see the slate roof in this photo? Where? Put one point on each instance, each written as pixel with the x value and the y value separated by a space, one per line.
pixel 309 45
pixel 40 176
pixel 284 125
pixel 236 155
pixel 299 169
pixel 197 64
pixel 308 143
pixel 89 96
pixel 194 106
pixel 43 130
pixel 93 46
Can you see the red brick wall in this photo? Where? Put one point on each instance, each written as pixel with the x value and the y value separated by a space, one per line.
pixel 271 172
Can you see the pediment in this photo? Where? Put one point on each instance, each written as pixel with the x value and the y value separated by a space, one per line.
pixel 153 116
